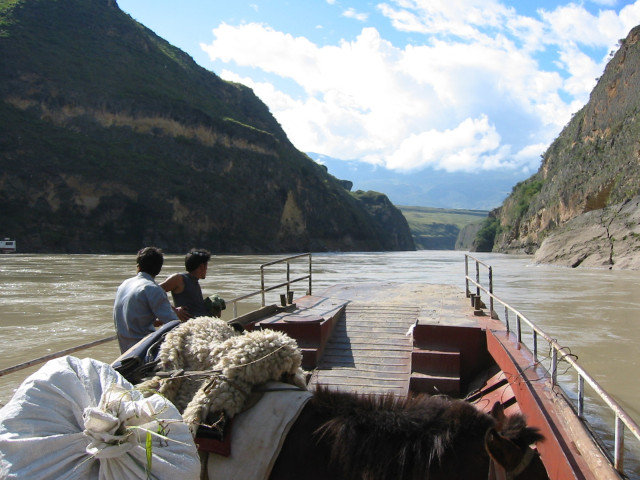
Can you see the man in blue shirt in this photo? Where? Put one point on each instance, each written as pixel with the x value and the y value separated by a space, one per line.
pixel 140 302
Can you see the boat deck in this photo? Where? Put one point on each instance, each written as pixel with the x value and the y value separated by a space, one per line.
pixel 355 338
pixel 369 351
pixel 368 346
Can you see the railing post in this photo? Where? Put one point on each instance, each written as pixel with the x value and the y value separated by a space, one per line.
pixel 288 278
pixel 580 395
pixel 491 291
pixel 262 284
pixel 518 329
pixel 535 346
pixel 309 292
pixel 506 318
pixel 619 445
pixel 466 275
pixel 477 278
pixel 235 309
pixel 554 367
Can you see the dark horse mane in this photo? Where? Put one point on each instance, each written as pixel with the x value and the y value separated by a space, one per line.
pixel 395 437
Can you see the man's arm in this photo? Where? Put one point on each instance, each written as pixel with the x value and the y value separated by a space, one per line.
pixel 175 284
pixel 160 305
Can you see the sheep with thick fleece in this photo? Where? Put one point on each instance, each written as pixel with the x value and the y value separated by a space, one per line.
pixel 236 361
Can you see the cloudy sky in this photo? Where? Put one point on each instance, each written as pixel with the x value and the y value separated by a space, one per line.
pixel 452 85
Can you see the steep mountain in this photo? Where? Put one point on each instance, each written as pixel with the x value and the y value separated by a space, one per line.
pixel 593 169
pixel 112 139
pixel 386 216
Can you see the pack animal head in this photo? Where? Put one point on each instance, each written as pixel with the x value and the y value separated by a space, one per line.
pixel 508 444
pixel 342 435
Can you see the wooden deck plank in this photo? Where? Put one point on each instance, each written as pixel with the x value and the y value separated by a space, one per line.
pixel 369 351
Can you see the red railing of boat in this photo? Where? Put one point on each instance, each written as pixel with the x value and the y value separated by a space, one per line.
pixel 558 353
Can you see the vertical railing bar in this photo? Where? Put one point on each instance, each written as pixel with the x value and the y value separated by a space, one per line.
pixel 506 318
pixel 263 289
pixel 477 278
pixel 535 346
pixel 580 395
pixel 518 329
pixel 619 445
pixel 466 276
pixel 288 277
pixel 309 292
pixel 491 292
pixel 262 284
pixel 554 367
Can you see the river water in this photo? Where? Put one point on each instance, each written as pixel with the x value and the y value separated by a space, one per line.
pixel 52 302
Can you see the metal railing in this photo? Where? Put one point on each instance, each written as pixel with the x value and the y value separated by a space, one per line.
pixel 558 353
pixel 51 356
pixel 263 289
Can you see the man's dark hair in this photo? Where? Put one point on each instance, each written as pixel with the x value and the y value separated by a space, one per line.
pixel 150 260
pixel 195 258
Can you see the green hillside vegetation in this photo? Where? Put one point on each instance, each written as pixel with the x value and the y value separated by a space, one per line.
pixel 521 199
pixel 111 138
pixel 486 235
pixel 438 228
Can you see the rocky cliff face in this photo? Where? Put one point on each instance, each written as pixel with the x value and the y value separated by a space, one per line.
pixel 603 238
pixel 593 166
pixel 466 237
pixel 389 218
pixel 112 139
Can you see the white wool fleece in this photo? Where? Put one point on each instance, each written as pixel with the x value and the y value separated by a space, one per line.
pixel 237 361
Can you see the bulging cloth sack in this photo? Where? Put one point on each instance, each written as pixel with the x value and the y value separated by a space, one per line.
pixel 80 419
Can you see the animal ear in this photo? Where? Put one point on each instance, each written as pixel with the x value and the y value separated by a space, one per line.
pixel 497 412
pixel 502 450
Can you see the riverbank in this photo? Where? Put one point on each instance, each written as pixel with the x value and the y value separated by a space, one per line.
pixel 608 238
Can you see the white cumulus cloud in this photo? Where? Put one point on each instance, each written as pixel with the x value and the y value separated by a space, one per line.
pixel 352 13
pixel 477 87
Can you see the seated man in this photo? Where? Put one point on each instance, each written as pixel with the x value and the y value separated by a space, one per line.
pixel 140 301
pixel 185 287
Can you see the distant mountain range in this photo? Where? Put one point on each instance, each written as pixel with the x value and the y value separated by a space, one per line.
pixel 428 187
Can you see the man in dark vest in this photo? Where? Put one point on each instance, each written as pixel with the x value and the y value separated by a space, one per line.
pixel 185 287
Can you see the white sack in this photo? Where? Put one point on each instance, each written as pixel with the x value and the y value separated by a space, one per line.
pixel 72 419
